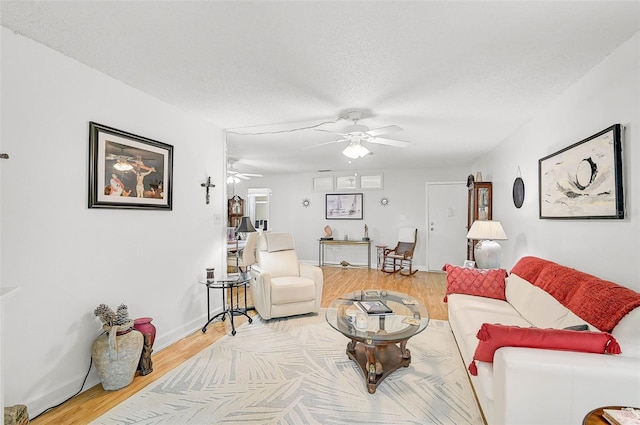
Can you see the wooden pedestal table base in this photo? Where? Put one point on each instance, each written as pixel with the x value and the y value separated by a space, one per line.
pixel 378 360
pixel 380 347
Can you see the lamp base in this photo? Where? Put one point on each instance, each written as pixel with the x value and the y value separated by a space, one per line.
pixel 488 254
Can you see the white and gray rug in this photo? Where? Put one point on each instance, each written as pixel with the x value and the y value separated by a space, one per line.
pixel 296 371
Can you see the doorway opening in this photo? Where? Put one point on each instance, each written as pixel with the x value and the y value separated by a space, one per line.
pixel 258 207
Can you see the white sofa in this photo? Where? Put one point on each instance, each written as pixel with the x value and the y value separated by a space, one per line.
pixel 542 386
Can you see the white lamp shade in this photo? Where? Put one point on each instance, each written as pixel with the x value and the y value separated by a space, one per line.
pixel 487 230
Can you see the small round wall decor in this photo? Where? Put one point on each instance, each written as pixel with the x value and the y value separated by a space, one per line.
pixel 306 202
pixel 384 201
pixel 518 191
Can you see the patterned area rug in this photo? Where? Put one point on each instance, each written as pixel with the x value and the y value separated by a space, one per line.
pixel 296 371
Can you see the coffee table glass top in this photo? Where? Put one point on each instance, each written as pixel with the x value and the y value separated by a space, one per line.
pixel 409 317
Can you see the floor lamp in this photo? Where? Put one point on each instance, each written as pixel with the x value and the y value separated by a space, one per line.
pixel 487 252
pixel 244 227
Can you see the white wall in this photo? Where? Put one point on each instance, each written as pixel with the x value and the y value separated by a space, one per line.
pixel 606 95
pixel 67 258
pixel 404 188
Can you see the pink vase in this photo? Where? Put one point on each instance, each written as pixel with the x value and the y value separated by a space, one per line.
pixel 144 325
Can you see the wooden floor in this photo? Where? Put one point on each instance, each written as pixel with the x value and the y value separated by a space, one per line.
pixel 429 288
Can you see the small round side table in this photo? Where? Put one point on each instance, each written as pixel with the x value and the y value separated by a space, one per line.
pixel 225 284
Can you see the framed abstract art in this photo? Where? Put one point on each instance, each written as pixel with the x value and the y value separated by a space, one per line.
pixel 584 180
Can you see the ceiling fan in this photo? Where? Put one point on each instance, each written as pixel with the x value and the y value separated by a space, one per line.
pixel 234 176
pixel 357 134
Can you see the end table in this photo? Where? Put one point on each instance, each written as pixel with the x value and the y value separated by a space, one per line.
pixel 228 284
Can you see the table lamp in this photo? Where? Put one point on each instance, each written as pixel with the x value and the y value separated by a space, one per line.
pixel 487 252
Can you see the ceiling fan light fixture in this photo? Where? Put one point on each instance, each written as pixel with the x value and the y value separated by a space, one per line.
pixel 355 150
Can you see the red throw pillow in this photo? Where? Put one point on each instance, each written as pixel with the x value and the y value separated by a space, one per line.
pixel 481 282
pixel 494 336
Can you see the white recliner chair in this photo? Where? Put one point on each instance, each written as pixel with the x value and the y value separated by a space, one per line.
pixel 282 285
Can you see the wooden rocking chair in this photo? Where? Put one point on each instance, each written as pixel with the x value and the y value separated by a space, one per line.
pixel 400 258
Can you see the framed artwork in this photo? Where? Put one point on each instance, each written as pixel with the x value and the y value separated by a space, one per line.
pixel 584 180
pixel 128 171
pixel 343 206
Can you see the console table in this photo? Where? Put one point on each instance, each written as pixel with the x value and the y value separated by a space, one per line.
pixel 322 243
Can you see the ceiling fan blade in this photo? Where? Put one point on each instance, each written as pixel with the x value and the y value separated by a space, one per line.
pixel 242 176
pixel 384 130
pixel 389 142
pixel 252 175
pixel 332 132
pixel 326 143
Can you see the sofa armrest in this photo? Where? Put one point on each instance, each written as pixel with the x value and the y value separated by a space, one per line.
pixel 536 386
pixel 314 273
pixel 260 287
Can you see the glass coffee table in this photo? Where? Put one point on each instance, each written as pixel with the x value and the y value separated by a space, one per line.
pixel 378 343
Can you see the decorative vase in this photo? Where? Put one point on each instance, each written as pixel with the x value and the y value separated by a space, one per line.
pixel 144 325
pixel 116 355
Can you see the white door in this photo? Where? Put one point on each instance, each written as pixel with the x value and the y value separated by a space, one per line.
pixel 446 224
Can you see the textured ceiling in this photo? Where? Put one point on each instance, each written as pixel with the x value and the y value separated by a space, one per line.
pixel 459 77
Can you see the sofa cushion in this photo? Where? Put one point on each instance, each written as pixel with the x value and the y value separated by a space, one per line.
pixel 597 301
pixel 465 302
pixel 281 263
pixel 534 304
pixel 484 283
pixel 291 289
pixel 493 336
pixel 572 320
pixel 274 242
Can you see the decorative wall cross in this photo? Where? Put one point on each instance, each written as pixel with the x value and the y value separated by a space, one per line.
pixel 208 184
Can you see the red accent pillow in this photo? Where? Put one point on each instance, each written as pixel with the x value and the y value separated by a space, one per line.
pixel 494 336
pixel 481 282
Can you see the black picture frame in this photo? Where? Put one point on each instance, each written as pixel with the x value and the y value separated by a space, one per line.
pixel 584 180
pixel 344 206
pixel 127 171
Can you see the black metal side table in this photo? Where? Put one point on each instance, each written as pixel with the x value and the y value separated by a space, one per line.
pixel 228 284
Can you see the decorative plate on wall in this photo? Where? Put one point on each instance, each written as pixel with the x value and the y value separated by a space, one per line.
pixel 518 192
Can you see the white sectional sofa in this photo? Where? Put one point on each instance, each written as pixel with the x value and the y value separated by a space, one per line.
pixel 543 386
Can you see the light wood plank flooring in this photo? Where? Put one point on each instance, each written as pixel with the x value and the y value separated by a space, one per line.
pixel 427 287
